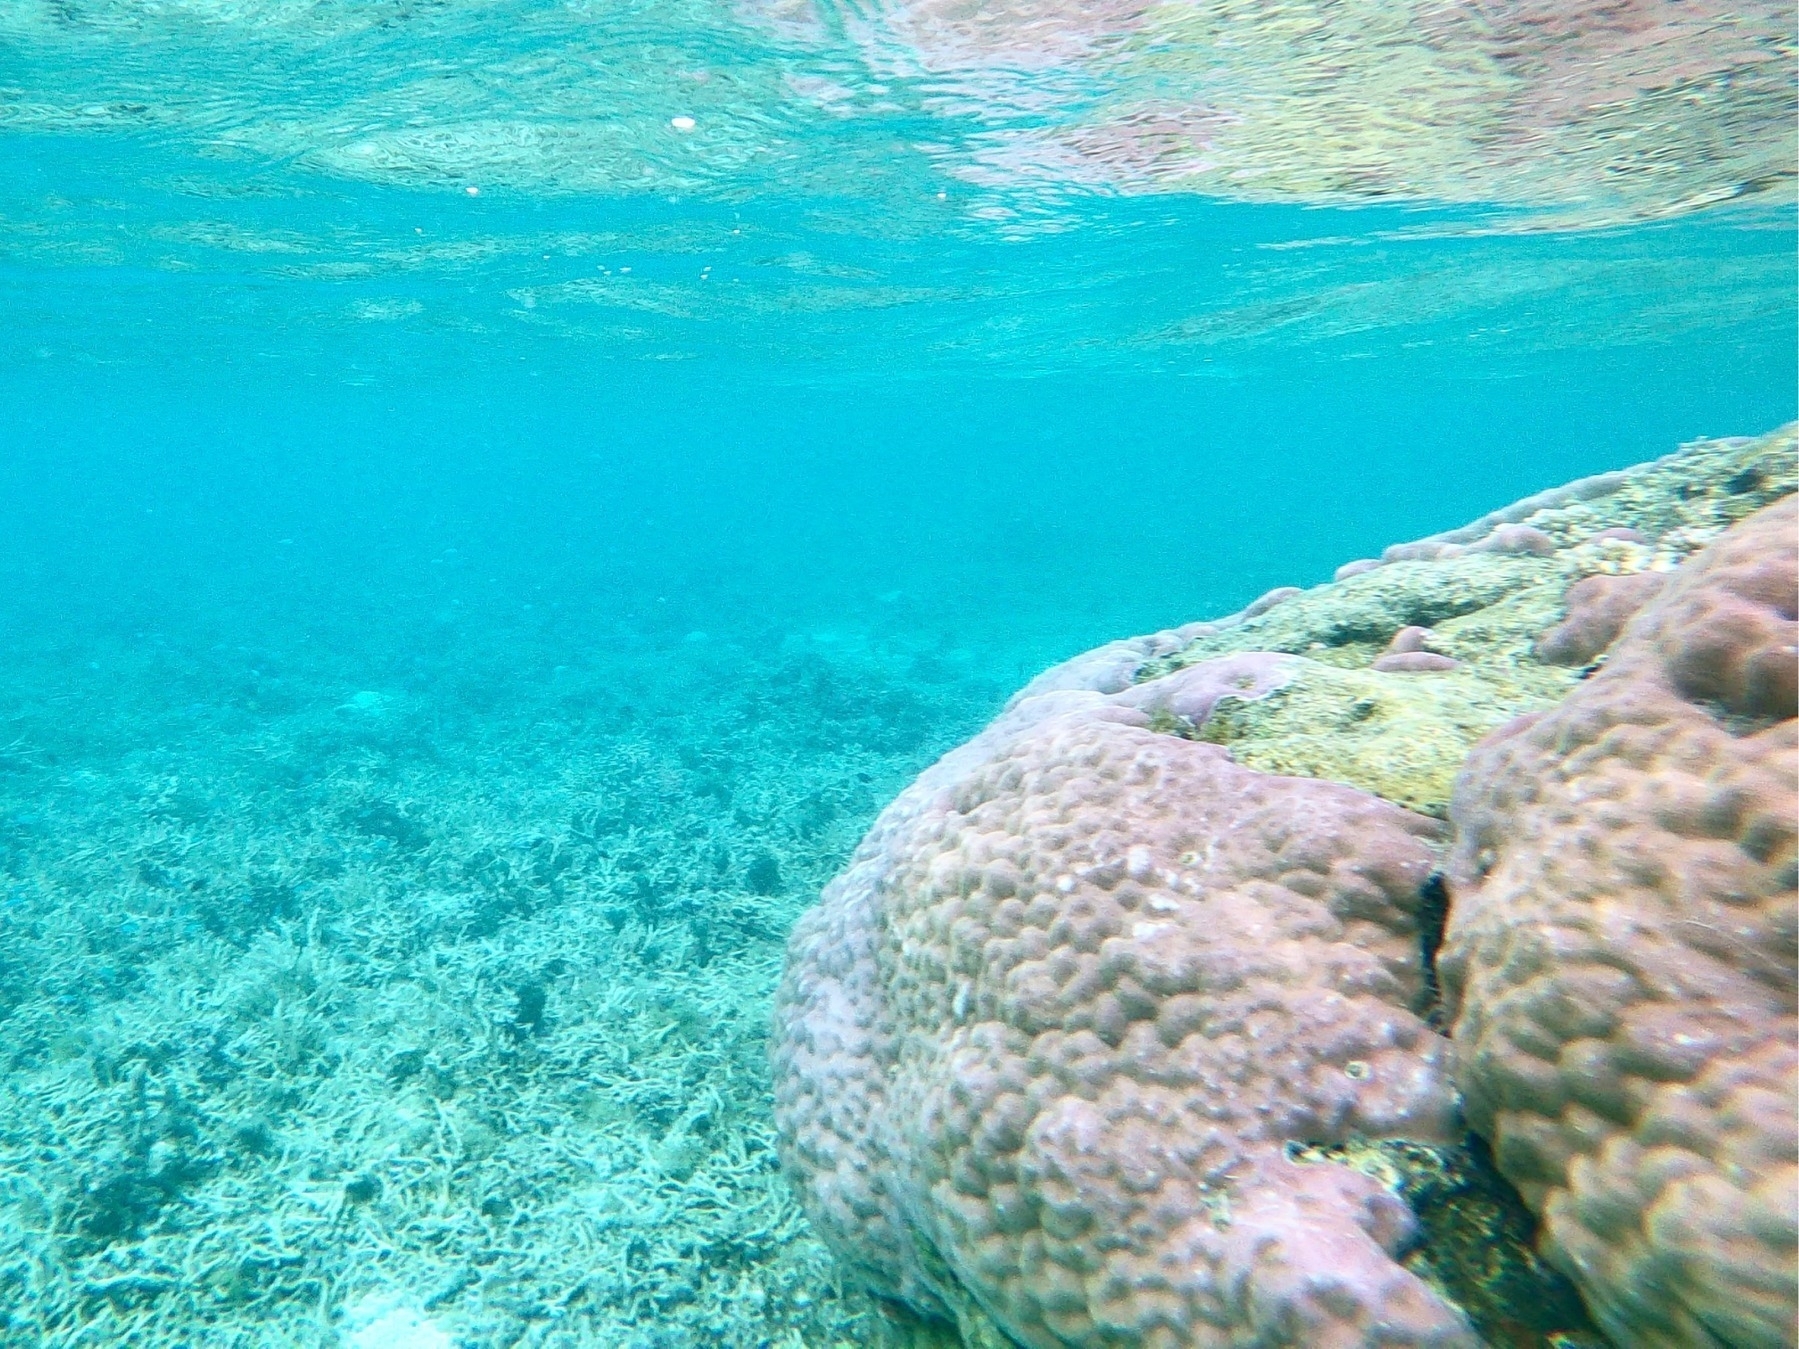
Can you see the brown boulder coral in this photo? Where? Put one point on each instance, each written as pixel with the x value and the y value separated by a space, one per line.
pixel 1047 1042
pixel 1114 1033
pixel 1621 957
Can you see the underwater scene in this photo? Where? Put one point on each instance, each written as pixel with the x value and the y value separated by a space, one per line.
pixel 793 674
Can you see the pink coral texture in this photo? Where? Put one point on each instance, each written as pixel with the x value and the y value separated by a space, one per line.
pixel 1045 1041
pixel 1042 1051
pixel 1596 610
pixel 1620 959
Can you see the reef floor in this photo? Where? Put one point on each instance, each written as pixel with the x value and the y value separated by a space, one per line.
pixel 345 1001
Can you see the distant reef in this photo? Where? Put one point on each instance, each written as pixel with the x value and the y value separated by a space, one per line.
pixel 1409 960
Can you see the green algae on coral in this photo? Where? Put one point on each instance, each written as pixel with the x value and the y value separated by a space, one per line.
pixel 1399 736
pixel 1403 736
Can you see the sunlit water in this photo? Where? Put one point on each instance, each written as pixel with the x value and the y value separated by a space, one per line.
pixel 440 352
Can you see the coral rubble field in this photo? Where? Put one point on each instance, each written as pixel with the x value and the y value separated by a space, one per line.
pixel 365 1000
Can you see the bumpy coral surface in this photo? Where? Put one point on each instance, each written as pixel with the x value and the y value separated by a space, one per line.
pixel 1621 957
pixel 1598 607
pixel 1055 1028
pixel 1097 1040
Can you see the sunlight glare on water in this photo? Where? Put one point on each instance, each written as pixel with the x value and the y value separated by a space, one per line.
pixel 1031 183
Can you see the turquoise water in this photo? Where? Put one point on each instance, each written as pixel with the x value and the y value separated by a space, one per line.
pixel 476 551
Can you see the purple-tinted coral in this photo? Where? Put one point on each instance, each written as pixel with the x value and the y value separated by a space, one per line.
pixel 1425 550
pixel 1597 608
pixel 1191 694
pixel 1413 638
pixel 1104 669
pixel 1112 667
pixel 1517 541
pixel 1416 662
pixel 1620 959
pixel 1044 1045
pixel 1279 595
pixel 1059 1019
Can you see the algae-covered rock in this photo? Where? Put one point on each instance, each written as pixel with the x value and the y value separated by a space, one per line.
pixel 1399 736
pixel 1359 615
pixel 1648 518
pixel 1485 594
